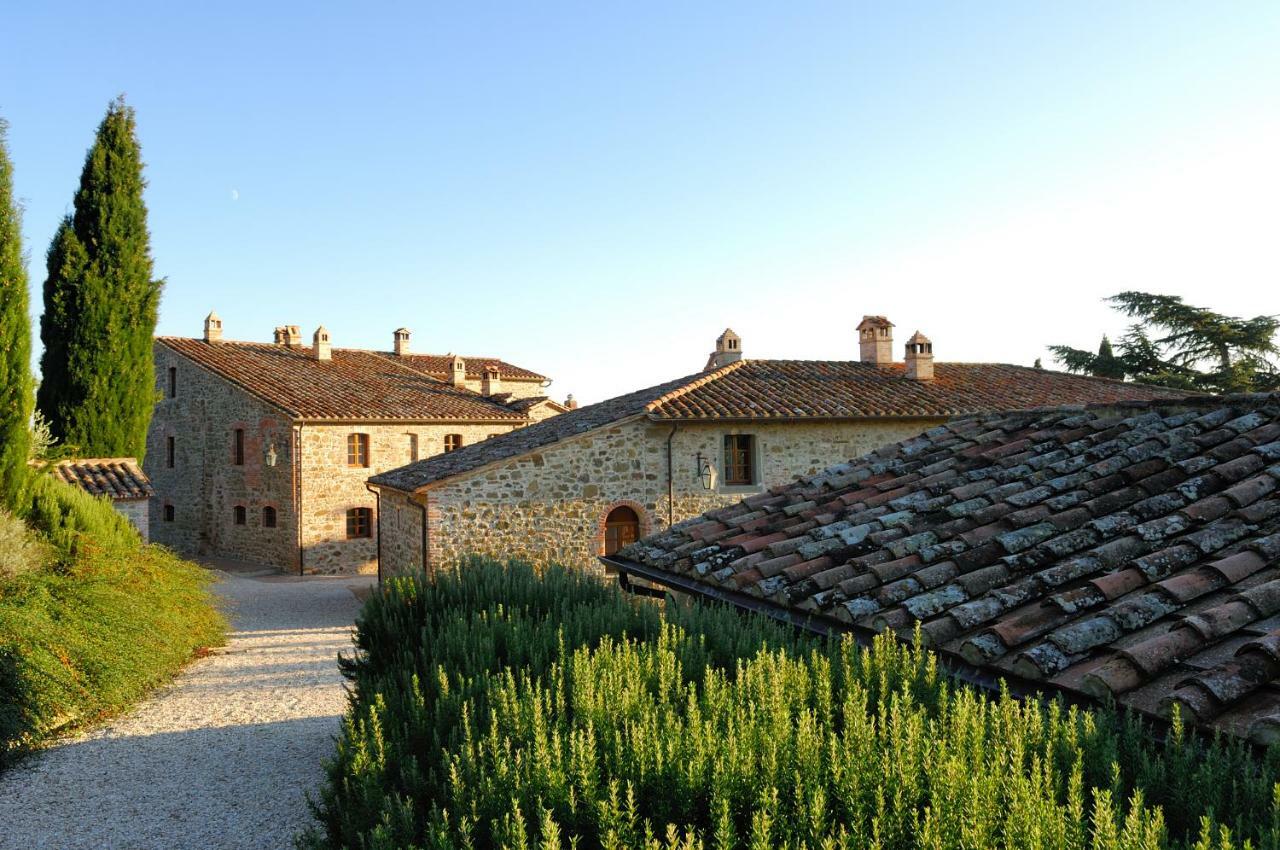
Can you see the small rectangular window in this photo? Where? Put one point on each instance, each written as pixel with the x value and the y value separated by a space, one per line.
pixel 452 442
pixel 170 452
pixel 268 517
pixel 413 447
pixel 241 515
pixel 239 447
pixel 359 523
pixel 168 513
pixel 173 382
pixel 357 450
pixel 739 461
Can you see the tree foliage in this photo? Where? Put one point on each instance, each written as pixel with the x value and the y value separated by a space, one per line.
pixel 1175 344
pixel 15 342
pixel 101 303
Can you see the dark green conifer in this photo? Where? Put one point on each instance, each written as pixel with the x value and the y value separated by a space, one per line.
pixel 101 303
pixel 15 342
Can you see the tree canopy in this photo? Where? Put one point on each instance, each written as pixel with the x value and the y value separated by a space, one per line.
pixel 1175 344
pixel 15 341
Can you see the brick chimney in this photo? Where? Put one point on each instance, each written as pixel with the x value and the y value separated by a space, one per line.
pixel 875 340
pixel 457 371
pixel 402 341
pixel 212 328
pixel 320 349
pixel 919 357
pixel 571 402
pixel 728 350
pixel 289 336
pixel 491 382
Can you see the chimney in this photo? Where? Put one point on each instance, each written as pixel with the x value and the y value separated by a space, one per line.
pixel 277 336
pixel 457 371
pixel 919 357
pixel 571 402
pixel 491 383
pixel 289 336
pixel 728 350
pixel 212 328
pixel 875 340
pixel 402 341
pixel 320 349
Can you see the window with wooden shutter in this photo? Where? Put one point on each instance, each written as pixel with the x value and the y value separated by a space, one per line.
pixel 739 459
pixel 357 450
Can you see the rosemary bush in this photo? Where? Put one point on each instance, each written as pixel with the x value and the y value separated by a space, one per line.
pixel 497 706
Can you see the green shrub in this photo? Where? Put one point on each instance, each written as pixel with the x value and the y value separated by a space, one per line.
pixel 108 619
pixel 20 550
pixel 500 707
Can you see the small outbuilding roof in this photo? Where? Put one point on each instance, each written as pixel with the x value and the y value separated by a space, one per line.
pixel 1126 552
pixel 120 478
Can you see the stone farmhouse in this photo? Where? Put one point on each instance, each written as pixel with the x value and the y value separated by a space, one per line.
pixel 593 480
pixel 120 479
pixel 260 452
pixel 1124 552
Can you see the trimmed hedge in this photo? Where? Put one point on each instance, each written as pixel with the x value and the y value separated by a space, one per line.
pixel 497 706
pixel 107 619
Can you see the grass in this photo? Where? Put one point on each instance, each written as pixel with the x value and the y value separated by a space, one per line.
pixel 500 706
pixel 100 622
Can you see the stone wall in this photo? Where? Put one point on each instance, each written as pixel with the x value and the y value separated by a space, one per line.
pixel 550 505
pixel 137 511
pixel 204 485
pixel 330 487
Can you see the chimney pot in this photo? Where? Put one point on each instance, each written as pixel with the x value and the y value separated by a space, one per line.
pixel 458 371
pixel 401 341
pixel 571 402
pixel 875 340
pixel 728 350
pixel 320 348
pixel 212 327
pixel 491 382
pixel 919 357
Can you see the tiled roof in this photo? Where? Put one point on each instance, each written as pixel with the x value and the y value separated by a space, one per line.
pixel 354 385
pixel 523 440
pixel 525 404
pixel 439 366
pixel 1131 554
pixel 786 389
pixel 117 477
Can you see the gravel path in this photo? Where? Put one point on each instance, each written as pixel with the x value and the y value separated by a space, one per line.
pixel 223 757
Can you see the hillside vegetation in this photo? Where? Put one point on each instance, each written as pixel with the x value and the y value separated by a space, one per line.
pixel 497 707
pixel 90 617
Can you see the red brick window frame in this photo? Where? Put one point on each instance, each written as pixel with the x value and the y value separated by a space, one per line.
pixel 359 523
pixel 358 450
pixel 603 537
pixel 269 518
pixel 241 515
pixel 238 447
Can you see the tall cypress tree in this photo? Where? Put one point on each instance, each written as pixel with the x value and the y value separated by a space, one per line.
pixel 15 342
pixel 101 303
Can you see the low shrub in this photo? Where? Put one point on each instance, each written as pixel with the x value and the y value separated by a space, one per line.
pixel 501 707
pixel 103 621
pixel 20 550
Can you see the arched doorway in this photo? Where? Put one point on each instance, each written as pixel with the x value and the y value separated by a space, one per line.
pixel 621 529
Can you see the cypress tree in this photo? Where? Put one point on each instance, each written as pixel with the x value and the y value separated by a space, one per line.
pixel 15 342
pixel 101 303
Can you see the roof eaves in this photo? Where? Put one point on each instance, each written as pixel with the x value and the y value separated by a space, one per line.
pixel 700 381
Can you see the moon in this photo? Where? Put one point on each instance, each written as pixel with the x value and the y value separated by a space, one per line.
pixel 235 194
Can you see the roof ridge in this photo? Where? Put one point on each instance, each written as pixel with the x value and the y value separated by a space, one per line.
pixel 700 381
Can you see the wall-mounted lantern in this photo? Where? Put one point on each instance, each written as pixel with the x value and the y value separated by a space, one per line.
pixel 271 454
pixel 706 472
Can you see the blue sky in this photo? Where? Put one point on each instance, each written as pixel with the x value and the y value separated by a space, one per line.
pixel 596 190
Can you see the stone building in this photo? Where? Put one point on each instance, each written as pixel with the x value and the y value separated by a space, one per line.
pixel 592 480
pixel 260 452
pixel 120 479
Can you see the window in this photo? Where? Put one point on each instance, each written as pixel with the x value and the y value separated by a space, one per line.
pixel 621 529
pixel 357 450
pixel 359 523
pixel 168 513
pixel 452 442
pixel 240 515
pixel 173 382
pixel 169 452
pixel 739 462
pixel 268 517
pixel 239 447
pixel 413 447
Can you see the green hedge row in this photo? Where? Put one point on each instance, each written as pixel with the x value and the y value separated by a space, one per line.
pixel 107 619
pixel 497 706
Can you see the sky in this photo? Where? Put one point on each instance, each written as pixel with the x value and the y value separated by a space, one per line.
pixel 596 190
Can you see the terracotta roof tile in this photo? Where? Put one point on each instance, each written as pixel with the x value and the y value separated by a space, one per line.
pixel 116 477
pixel 1160 588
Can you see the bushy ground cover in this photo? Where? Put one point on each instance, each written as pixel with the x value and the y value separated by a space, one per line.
pixel 93 622
pixel 499 706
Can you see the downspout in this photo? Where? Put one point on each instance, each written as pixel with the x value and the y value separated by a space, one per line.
pixel 297 492
pixel 671 481
pixel 377 494
pixel 423 507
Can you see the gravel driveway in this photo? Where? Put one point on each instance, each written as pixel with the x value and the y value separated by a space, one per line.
pixel 224 756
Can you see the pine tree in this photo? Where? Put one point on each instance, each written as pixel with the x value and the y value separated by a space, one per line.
pixel 101 303
pixel 15 342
